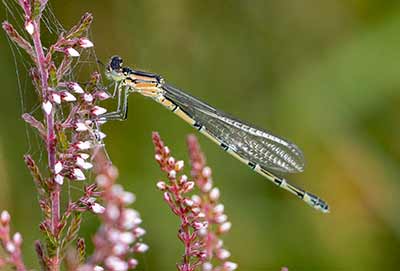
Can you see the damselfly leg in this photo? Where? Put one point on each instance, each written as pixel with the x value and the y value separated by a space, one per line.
pixel 122 107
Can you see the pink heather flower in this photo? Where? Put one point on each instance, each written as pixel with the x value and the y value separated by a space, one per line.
pixel 5 217
pixel 172 174
pixel 88 97
pixel 207 266
pixel 206 172
pixel 100 135
pixel 84 155
pixel 113 211
pixel 207 186
pixel 171 161
pixel 128 198
pixel 59 179
pixel 166 150
pixel 56 98
pixel 225 227
pixel 127 238
pixel 102 95
pixel 17 239
pixel 68 97
pixel 139 232
pixel 141 248
pixel 76 87
pixel 78 174
pixel 214 194
pixel 196 199
pixel 47 107
pixel 183 179
pixel 97 110
pixel 223 254
pixel 161 185
pixel 80 162
pixel 84 145
pixel 221 218
pixel 98 268
pixel 188 202
pixel 97 208
pixel 102 180
pixel 179 165
pixel 72 52
pixel 116 264
pixel 29 27
pixel 10 247
pixel 132 263
pixel 219 208
pixel 167 197
pixel 230 266
pixel 188 186
pixel 85 43
pixel 58 167
pixel 158 157
pixel 81 127
pixel 120 249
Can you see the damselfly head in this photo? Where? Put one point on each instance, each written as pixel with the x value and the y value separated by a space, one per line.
pixel 114 69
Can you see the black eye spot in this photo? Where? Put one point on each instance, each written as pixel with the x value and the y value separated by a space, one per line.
pixel 116 63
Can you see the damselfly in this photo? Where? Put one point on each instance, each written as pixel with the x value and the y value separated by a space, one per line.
pixel 260 150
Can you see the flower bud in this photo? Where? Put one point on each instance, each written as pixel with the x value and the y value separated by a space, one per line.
pixel 85 43
pixel 56 98
pixel 72 52
pixel 88 97
pixel 141 247
pixel 58 167
pixel 179 165
pixel 230 266
pixel 75 87
pixel 17 239
pixel 59 179
pixel 5 218
pixel 97 208
pixel 68 97
pixel 188 186
pixel 78 174
pixel 29 27
pixel 214 194
pixel 225 227
pixel 172 174
pixel 47 107
pixel 161 185
pixel 98 110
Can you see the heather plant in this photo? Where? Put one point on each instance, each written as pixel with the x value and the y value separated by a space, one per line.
pixel 202 218
pixel 70 131
pixel 69 126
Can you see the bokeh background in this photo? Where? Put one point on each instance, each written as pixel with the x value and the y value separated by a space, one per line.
pixel 325 74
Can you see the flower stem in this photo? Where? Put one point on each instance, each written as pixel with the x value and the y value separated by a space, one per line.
pixel 50 136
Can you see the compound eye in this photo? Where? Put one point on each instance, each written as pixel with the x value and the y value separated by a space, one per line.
pixel 115 63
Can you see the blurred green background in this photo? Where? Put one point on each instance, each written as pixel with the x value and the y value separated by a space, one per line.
pixel 325 74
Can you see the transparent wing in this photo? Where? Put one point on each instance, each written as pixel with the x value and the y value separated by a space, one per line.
pixel 255 145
